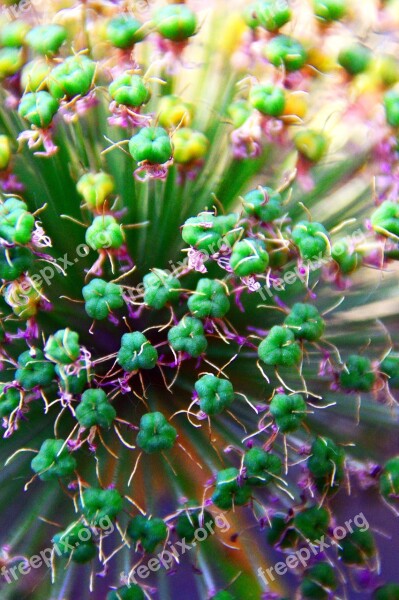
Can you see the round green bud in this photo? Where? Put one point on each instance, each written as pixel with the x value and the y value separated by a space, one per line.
pixel 326 464
pixel 83 551
pixel 95 409
pixel 63 347
pixel 312 240
pixel 151 144
pixel 209 300
pixel 98 504
pixel 105 233
pixel 262 467
pixel 387 69
pixel 124 31
pixel 390 367
pixel 176 22
pixel 385 220
pixel 46 39
pixel 319 581
pixel 312 523
pixel 188 523
pixel 16 223
pixel 188 336
pixel 12 35
pixel 347 258
pixel 95 188
pixel 249 257
pixel 189 145
pixel 355 58
pixel 206 231
pixel 329 10
pixel 9 400
pixel 155 434
pixel 24 297
pixel 14 261
pixel 130 90
pixel 389 480
pixel 288 411
pixel 72 384
pixel 160 288
pixel 357 548
pixel 311 144
pixel 280 348
pixel 215 395
pixel 272 14
pixel 11 60
pixel 53 461
pixel 358 374
pixel 390 591
pixel 127 592
pixel 5 152
pixel 150 532
pixel 228 491
pixel 239 112
pixel 268 99
pixel 173 111
pixel 250 15
pixel 263 203
pixel 34 370
pixel 38 108
pixel 305 322
pixel 34 75
pixel 285 50
pixel 101 298
pixel 136 352
pixel 73 77
pixel 282 532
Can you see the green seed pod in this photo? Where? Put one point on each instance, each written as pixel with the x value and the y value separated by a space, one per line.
pixel 311 144
pixel 312 523
pixel 176 22
pixel 268 99
pixel 329 10
pixel 280 348
pixel 282 532
pixel 390 368
pixel 34 75
pixel 210 300
pixel 355 58
pixel 215 395
pixel 151 144
pixel 136 352
pixel 263 203
pixel 34 370
pixel 288 411
pixel 83 551
pixel 189 145
pixel 9 400
pixel 173 111
pixel 150 532
pixel 385 220
pixel 16 223
pixel 130 90
pixel 311 239
pixel 262 467
pixel 206 231
pixel 38 108
pixel 14 261
pixel 5 152
pixel 95 188
pixel 250 15
pixel 272 14
pixel 188 523
pixel 46 39
pixel 305 322
pixel 357 548
pixel 63 347
pixel 228 491
pixel 101 298
pixel 188 336
pixel 249 257
pixel 358 374
pixel 105 232
pixel 53 461
pixel 97 504
pixel 326 464
pixel 390 591
pixel 11 60
pixel 72 384
pixel 125 31
pixel 160 288
pixel 13 34
pixel 347 258
pixel 319 582
pixel 73 77
pixel 155 434
pixel 127 592
pixel 95 409
pixel 389 481
pixel 285 50
pixel 24 297
pixel 239 112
